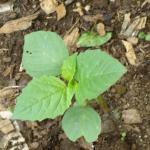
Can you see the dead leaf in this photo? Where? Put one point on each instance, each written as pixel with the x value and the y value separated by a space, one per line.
pixel 101 29
pixel 130 54
pixel 48 6
pixel 18 24
pixel 71 38
pixel 93 18
pixel 133 40
pixel 9 92
pixel 6 126
pixel 6 7
pixel 145 2
pixel 79 9
pixel 61 11
pixel 131 29
pixel 9 71
pixel 126 22
pixel 142 23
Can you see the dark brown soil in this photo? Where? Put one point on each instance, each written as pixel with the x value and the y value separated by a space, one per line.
pixel 131 92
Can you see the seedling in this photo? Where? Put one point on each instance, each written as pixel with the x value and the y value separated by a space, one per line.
pixel 57 77
pixel 123 136
pixel 144 36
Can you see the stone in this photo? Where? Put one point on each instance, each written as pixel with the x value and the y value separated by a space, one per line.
pixel 131 116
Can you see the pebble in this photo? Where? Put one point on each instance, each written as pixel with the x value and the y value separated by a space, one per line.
pixel 108 126
pixel 131 116
pixel 34 145
pixel 87 8
pixel 68 2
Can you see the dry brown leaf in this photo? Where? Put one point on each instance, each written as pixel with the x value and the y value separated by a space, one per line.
pixel 126 22
pixel 93 18
pixel 18 24
pixel 133 40
pixel 48 6
pixel 130 52
pixel 101 29
pixel 142 23
pixel 6 126
pixel 79 10
pixel 9 92
pixel 130 29
pixel 145 2
pixel 71 38
pixel 8 71
pixel 61 11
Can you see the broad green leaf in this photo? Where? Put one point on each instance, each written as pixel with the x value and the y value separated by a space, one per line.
pixel 44 97
pixel 147 37
pixel 81 121
pixel 44 53
pixel 69 67
pixel 96 72
pixel 91 39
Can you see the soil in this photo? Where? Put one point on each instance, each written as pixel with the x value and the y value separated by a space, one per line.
pixel 132 91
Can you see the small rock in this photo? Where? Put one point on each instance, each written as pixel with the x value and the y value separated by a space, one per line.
pixel 131 116
pixel 68 2
pixel 7 59
pixel 66 144
pixel 101 29
pixel 87 8
pixel 108 126
pixel 121 89
pixel 34 145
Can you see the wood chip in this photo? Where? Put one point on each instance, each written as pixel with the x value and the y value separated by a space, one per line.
pixel 48 6
pixel 131 116
pixel 6 126
pixel 130 52
pixel 71 38
pixel 101 29
pixel 61 11
pixel 18 24
pixel 93 18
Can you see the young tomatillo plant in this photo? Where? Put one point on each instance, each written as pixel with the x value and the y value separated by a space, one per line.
pixel 85 75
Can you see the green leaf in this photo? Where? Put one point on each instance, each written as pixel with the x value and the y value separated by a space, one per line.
pixel 96 72
pixel 44 97
pixel 44 53
pixel 147 37
pixel 141 35
pixel 81 121
pixel 91 39
pixel 69 67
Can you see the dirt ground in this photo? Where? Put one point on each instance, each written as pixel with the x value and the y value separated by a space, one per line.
pixel 131 92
